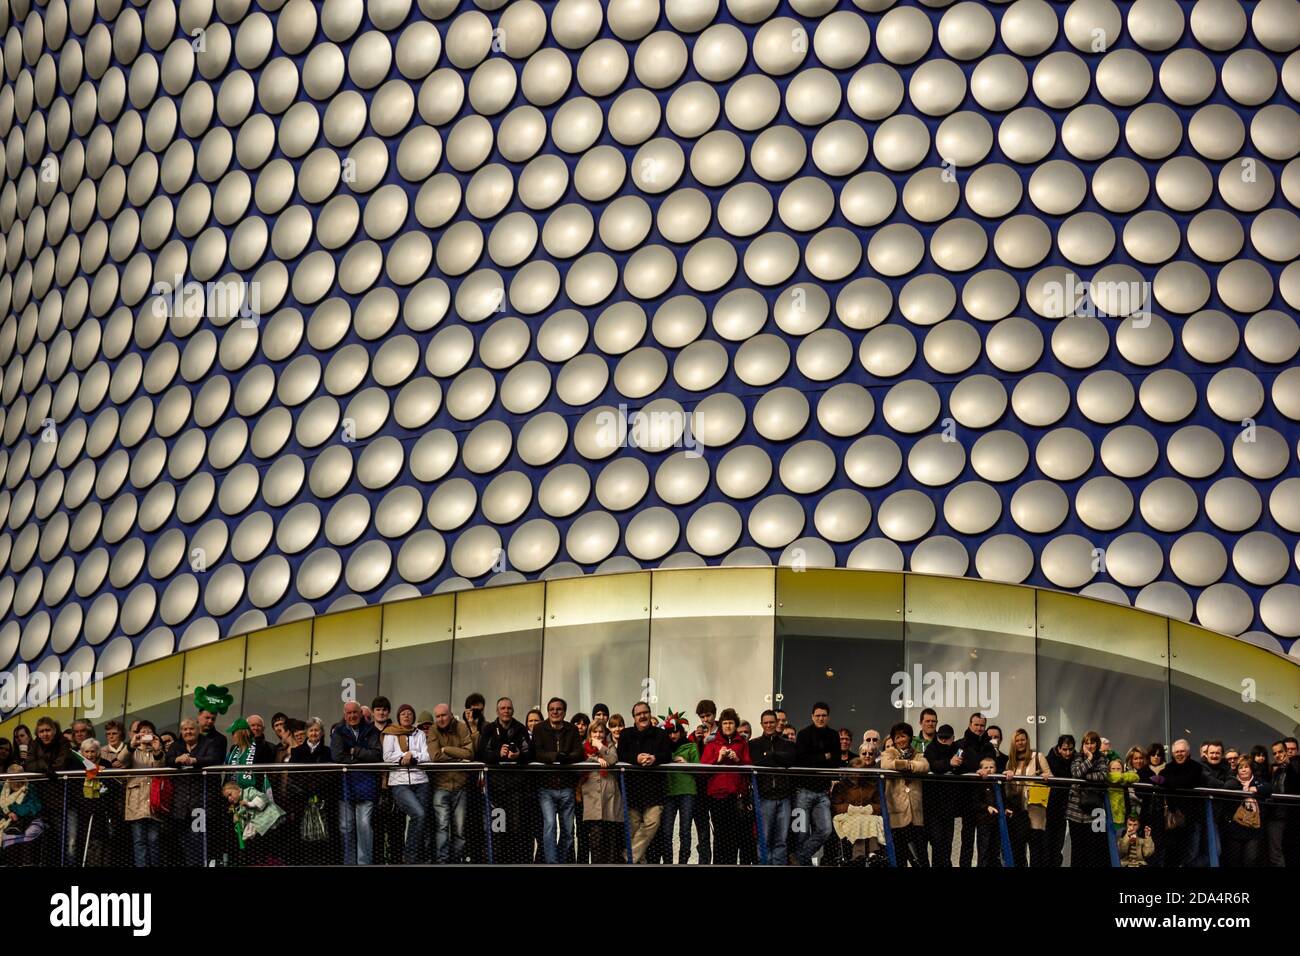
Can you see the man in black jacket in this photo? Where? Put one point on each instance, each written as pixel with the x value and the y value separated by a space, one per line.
pixel 502 744
pixel 644 746
pixel 556 741
pixel 1185 842
pixel 212 743
pixel 973 748
pixel 1059 759
pixel 817 746
pixel 939 804
pixel 1282 819
pixel 771 749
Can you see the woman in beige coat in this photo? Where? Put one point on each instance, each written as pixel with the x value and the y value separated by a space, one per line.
pixel 146 830
pixel 903 797
pixel 602 797
pixel 1027 821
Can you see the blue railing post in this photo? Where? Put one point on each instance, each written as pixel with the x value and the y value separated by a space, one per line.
pixel 627 813
pixel 487 815
pixel 1211 832
pixel 1111 841
pixel 758 820
pixel 1003 834
pixel 884 816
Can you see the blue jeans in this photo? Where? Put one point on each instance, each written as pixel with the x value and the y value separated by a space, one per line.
pixel 816 809
pixel 449 825
pixel 557 803
pixel 413 800
pixel 675 804
pixel 358 836
pixel 776 827
pixel 144 842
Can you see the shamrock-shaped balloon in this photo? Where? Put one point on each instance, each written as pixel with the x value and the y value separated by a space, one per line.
pixel 213 698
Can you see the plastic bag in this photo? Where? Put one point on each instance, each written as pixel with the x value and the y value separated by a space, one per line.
pixel 312 829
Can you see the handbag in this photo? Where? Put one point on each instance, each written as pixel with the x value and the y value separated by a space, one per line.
pixel 1246 817
pixel 161 790
pixel 312 829
pixel 1037 794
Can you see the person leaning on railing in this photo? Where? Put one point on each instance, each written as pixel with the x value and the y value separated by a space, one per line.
pixel 940 801
pixel 1088 845
pixel 772 750
pixel 556 741
pixel 1282 820
pixel 187 753
pixel 602 798
pixel 1059 759
pixel 728 749
pixel 679 803
pixel 1027 827
pixel 450 740
pixel 49 753
pixel 146 826
pixel 1243 833
pixel 406 748
pixel 903 796
pixel 356 740
pixel 817 747
pixel 644 745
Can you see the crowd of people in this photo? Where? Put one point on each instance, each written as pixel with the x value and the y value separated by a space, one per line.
pixel 560 789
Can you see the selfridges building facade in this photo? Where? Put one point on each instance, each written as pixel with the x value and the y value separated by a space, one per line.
pixel 310 307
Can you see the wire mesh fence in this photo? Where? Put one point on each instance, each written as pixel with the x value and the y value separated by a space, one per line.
pixel 619 813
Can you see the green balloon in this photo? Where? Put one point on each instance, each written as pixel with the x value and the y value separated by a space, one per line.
pixel 213 698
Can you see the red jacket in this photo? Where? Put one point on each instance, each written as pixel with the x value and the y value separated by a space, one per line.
pixel 727 784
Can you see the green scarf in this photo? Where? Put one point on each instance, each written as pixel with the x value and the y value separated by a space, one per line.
pixel 242 756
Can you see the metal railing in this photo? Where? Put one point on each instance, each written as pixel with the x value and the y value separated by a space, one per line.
pixel 471 812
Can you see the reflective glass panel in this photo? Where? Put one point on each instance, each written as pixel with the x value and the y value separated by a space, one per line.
pixel 415 662
pixel 1101 667
pixel 711 635
pixel 276 671
pixel 597 642
pixel 1224 689
pixel 498 646
pixel 345 663
pixel 153 692
pixel 970 647
pixel 839 640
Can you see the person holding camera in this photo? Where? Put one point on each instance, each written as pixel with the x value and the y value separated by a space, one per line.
pixel 725 790
pixel 146 751
pixel 504 743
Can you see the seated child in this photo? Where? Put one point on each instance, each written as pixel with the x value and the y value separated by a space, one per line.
pixel 1135 850
pixel 20 817
pixel 253 811
pixel 855 803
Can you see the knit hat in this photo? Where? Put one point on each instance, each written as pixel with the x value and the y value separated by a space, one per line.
pixel 240 724
pixel 402 708
pixel 424 718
